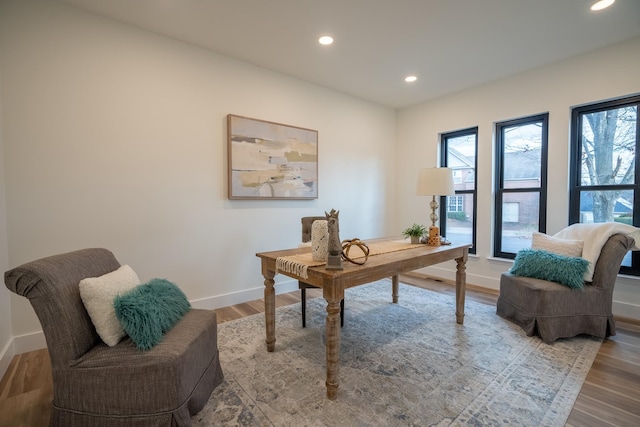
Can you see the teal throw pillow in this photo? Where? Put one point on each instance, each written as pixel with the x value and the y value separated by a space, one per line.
pixel 540 264
pixel 149 310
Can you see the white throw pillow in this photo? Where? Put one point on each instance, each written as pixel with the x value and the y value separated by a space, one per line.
pixel 97 295
pixel 570 248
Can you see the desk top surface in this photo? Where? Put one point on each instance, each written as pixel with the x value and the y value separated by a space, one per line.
pixel 382 265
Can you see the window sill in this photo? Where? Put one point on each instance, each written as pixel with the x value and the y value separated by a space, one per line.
pixel 504 260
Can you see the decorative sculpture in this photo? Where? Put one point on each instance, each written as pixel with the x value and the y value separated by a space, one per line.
pixel 334 260
pixel 348 244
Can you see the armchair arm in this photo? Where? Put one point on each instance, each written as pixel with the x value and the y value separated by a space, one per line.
pixel 610 259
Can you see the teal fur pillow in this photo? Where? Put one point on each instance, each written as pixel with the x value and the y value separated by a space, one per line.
pixel 149 310
pixel 540 264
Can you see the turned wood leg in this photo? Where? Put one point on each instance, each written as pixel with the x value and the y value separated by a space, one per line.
pixel 332 329
pixel 394 289
pixel 270 309
pixel 461 284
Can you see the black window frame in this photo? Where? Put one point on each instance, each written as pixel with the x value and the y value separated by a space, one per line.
pixel 500 191
pixel 444 149
pixel 575 167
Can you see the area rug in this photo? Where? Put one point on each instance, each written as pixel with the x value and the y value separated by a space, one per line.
pixel 405 364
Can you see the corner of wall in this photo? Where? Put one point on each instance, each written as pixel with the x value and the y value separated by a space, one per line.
pixel 6 355
pixel 6 340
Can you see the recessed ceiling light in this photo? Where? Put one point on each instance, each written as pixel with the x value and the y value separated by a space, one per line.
pixel 602 4
pixel 325 40
pixel 410 79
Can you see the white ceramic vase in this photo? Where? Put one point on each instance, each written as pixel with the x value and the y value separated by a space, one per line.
pixel 319 240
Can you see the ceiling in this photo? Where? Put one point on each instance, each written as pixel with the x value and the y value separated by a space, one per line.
pixel 450 45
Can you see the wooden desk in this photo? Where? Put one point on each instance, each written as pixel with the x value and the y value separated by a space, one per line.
pixel 334 282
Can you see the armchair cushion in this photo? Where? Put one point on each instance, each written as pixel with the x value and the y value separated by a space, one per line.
pixel 556 245
pixel 97 295
pixel 540 264
pixel 149 310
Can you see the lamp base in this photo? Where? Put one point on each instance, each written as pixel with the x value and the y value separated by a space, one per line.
pixel 434 236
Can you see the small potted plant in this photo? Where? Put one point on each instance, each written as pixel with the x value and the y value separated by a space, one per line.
pixel 416 231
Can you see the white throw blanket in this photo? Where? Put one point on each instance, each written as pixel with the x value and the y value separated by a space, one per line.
pixel 594 236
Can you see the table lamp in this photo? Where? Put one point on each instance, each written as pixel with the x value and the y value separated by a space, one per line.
pixel 435 182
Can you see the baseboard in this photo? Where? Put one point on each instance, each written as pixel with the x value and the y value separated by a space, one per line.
pixel 625 312
pixel 233 298
pixel 487 284
pixel 451 282
pixel 29 342
pixel 21 344
pixel 476 282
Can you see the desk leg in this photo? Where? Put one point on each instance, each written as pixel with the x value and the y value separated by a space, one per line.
pixel 394 289
pixel 270 309
pixel 332 329
pixel 461 284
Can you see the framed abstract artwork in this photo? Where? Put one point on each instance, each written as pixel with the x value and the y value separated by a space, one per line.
pixel 270 160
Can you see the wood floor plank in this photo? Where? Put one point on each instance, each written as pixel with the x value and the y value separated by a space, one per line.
pixel 597 392
pixel 30 408
pixel 8 377
pixel 615 378
pixel 617 350
pixel 579 418
pixel 608 413
pixel 226 314
pixel 625 336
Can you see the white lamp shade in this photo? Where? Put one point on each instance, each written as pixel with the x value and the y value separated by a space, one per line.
pixel 435 182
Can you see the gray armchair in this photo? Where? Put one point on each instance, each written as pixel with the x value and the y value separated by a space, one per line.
pixel 98 385
pixel 554 311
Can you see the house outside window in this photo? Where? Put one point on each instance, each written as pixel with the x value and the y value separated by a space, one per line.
pixel 521 183
pixel 458 214
pixel 604 184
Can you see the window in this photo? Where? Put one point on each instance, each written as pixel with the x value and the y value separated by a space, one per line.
pixel 604 182
pixel 458 214
pixel 521 183
pixel 456 204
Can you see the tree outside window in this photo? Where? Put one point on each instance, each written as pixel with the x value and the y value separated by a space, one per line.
pixel 604 181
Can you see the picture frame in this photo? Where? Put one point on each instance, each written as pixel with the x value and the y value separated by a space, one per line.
pixel 271 161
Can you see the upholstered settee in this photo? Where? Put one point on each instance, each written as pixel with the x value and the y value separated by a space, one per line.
pixel 98 385
pixel 554 311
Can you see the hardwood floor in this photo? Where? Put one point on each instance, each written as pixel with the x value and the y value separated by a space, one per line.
pixel 610 395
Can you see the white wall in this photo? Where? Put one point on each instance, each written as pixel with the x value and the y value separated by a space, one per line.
pixel 603 74
pixel 116 137
pixel 6 348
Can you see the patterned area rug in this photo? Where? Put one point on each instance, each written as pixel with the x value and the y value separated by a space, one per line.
pixel 405 364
